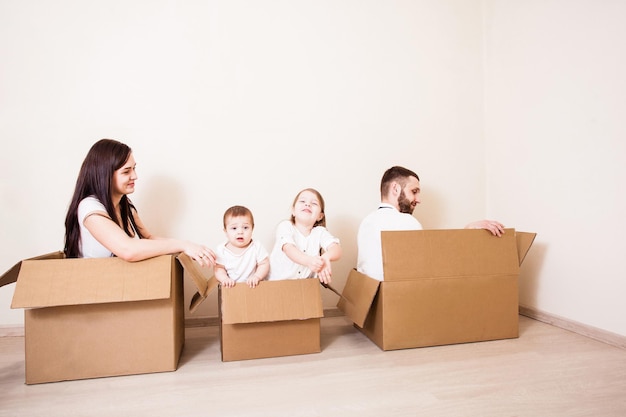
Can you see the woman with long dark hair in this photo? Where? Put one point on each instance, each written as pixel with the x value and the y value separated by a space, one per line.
pixel 101 220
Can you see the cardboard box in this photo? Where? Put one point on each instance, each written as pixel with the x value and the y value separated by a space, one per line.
pixel 441 287
pixel 277 318
pixel 87 318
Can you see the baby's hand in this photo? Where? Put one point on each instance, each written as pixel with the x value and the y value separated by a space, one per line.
pixel 253 281
pixel 228 283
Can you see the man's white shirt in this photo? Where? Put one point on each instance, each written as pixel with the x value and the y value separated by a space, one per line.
pixel 386 217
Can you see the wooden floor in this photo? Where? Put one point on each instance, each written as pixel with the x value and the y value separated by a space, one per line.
pixel 546 372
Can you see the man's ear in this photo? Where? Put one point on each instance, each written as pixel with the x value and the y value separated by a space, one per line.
pixel 396 188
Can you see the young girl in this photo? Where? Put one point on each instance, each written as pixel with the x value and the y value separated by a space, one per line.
pixel 299 242
pixel 101 220
pixel 240 259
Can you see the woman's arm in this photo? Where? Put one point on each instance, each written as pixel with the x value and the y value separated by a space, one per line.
pixel 112 237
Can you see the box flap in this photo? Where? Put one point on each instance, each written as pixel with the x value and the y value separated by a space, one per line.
pixel 194 271
pixel 330 287
pixel 199 297
pixel 410 255
pixel 59 282
pixel 202 279
pixel 524 242
pixel 293 299
pixel 11 275
pixel 357 296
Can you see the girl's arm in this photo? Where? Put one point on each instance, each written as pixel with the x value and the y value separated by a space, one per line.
pixel 112 237
pixel 332 253
pixel 314 263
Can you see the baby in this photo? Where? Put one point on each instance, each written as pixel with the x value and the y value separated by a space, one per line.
pixel 240 258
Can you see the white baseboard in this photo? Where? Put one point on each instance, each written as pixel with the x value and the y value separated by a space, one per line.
pixel 201 322
pixel 18 331
pixel 600 335
pixel 11 331
pixel 333 312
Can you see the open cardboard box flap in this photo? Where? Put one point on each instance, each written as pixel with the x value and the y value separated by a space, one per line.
pixel 524 242
pixel 357 296
pixel 62 282
pixel 202 278
pixel 410 255
pixel 52 280
pixel 11 275
pixel 296 299
pixel 427 254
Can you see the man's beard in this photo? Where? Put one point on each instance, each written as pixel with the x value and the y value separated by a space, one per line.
pixel 404 204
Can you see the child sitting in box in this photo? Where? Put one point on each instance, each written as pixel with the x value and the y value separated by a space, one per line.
pixel 240 259
pixel 299 241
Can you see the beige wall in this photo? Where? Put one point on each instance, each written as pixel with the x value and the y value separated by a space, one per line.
pixel 556 149
pixel 239 102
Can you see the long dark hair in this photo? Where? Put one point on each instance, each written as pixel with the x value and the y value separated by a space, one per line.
pixel 95 179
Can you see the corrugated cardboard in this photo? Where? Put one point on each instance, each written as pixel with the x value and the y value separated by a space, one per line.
pixel 293 299
pixel 87 318
pixel 10 276
pixel 276 318
pixel 441 287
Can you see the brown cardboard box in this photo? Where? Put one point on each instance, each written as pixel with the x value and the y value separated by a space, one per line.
pixel 87 318
pixel 441 287
pixel 277 318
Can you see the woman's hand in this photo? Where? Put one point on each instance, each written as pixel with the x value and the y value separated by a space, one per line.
pixel 201 254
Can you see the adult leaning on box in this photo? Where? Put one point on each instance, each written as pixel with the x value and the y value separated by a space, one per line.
pixel 102 221
pixel 399 194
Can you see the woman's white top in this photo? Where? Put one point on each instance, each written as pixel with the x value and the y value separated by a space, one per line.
pixel 89 246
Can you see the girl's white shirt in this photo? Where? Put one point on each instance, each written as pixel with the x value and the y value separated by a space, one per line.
pixel 281 267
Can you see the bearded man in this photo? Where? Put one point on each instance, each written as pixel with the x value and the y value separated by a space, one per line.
pixel 399 195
